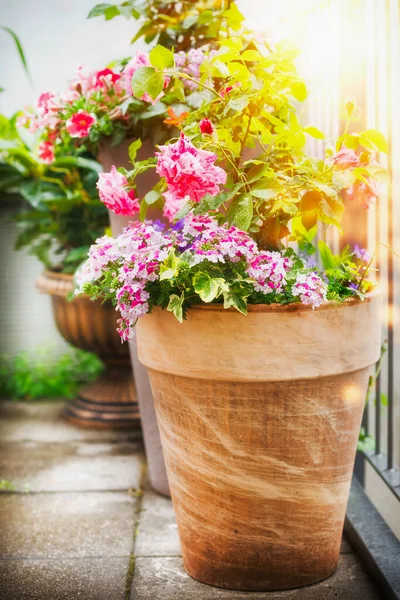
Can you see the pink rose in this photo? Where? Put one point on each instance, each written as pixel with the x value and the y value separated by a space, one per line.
pixel 365 193
pixel 346 158
pixel 46 152
pixel 189 171
pixel 113 192
pixel 79 125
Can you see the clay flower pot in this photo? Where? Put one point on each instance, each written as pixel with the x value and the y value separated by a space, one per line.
pixel 110 402
pixel 259 419
pixel 155 461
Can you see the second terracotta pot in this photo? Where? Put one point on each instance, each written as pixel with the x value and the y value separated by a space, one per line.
pixel 259 418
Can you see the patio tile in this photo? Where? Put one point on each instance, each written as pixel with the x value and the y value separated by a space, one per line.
pixel 157 533
pixel 42 422
pixel 78 466
pixel 157 578
pixel 69 525
pixel 89 579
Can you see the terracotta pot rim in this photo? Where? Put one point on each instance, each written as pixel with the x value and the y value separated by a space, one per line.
pixel 56 284
pixel 292 307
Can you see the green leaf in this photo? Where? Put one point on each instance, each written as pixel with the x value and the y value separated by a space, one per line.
pixel 208 288
pixel 20 50
pixel 374 139
pixel 78 161
pixel 169 268
pixel 235 301
pixel 152 197
pixel 179 90
pixel 251 55
pixel 175 305
pixel 133 148
pixel 240 212
pixel 99 10
pixel 240 103
pixel 111 12
pixel 326 255
pixel 147 80
pixel 314 132
pixel 299 91
pixel 161 58
pixel 265 194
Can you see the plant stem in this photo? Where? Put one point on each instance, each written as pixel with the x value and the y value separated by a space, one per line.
pixel 210 89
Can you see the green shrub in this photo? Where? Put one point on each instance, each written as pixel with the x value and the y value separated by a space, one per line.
pixel 35 375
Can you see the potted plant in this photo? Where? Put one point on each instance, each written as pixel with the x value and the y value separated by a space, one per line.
pixel 258 359
pixel 61 217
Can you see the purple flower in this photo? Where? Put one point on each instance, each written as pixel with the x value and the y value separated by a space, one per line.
pixel 362 254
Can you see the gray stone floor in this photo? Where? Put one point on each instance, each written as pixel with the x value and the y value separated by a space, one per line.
pixel 83 524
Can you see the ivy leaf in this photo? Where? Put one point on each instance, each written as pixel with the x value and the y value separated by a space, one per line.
pixel 147 80
pixel 240 212
pixel 235 301
pixel 175 305
pixel 133 148
pixel 208 288
pixel 161 58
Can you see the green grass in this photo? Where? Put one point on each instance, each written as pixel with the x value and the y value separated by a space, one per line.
pixel 38 375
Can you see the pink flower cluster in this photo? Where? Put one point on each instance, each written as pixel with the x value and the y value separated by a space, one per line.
pixel 133 259
pixel 129 264
pixel 63 112
pixel 190 173
pixel 115 195
pixel 269 271
pixel 311 289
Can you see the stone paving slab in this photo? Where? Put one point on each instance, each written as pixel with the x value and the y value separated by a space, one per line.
pixel 93 524
pixel 72 466
pixel 157 532
pixel 83 579
pixel 165 579
pixel 43 422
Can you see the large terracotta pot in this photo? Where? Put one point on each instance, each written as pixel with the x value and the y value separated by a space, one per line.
pixel 118 156
pixel 259 419
pixel 110 402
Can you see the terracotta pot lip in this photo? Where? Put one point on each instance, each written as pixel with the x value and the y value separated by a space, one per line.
pixel 293 307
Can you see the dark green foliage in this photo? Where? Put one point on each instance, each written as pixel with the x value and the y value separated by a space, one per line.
pixel 36 375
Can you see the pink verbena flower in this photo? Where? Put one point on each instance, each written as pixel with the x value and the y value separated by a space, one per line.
pixel 311 289
pixel 112 191
pixel 219 243
pixel 269 271
pixel 346 158
pixel 189 171
pixel 80 123
pixel 190 63
pixel 46 152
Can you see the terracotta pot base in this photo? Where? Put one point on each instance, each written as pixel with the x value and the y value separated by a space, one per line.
pixel 108 403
